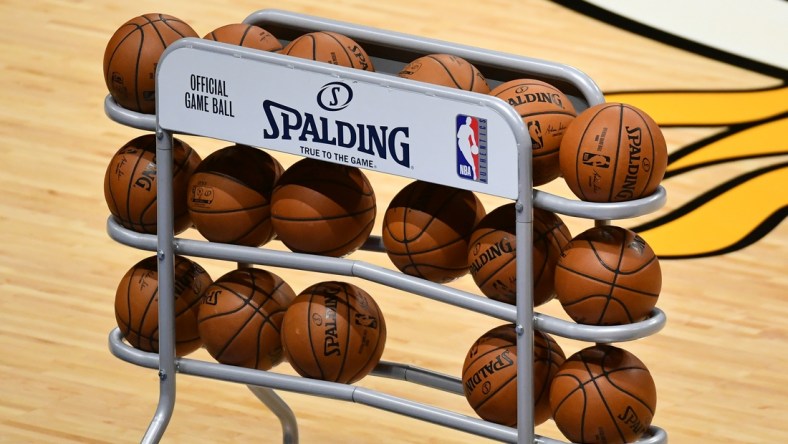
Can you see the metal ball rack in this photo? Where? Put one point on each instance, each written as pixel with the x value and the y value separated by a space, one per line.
pixel 259 107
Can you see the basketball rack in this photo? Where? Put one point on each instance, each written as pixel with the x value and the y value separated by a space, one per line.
pixel 255 96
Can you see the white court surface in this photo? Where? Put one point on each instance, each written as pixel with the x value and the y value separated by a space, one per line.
pixel 755 29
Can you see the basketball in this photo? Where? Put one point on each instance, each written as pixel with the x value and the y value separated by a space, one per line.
pixel 240 318
pixel 229 195
pixel 546 112
pixel 130 183
pixel 329 47
pixel 553 228
pixel 323 208
pixel 489 375
pixel 132 54
pixel 492 254
pixel 249 36
pixel 446 70
pixel 427 228
pixel 608 275
pixel 603 394
pixel 613 152
pixel 333 331
pixel 137 304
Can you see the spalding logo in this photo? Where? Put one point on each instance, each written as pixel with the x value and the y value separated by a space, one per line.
pixel 334 96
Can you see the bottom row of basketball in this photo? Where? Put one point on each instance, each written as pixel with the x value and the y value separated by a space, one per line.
pixel 335 331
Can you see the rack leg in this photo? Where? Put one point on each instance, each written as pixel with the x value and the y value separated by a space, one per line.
pixel 163 411
pixel 166 292
pixel 281 410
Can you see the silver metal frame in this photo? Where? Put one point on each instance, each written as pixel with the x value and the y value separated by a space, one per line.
pixel 392 51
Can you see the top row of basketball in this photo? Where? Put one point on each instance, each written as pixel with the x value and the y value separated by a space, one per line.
pixel 629 166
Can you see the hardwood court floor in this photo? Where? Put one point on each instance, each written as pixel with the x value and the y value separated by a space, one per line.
pixel 719 364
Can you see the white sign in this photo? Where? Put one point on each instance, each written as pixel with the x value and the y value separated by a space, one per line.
pixel 355 119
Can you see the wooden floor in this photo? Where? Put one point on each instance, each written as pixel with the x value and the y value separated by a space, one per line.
pixel 719 364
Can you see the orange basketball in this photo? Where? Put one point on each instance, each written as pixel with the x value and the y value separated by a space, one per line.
pixel 426 230
pixel 489 375
pixel 613 152
pixel 446 70
pixel 334 331
pixel 323 208
pixel 608 275
pixel 240 318
pixel 330 47
pixel 492 255
pixel 249 36
pixel 547 113
pixel 132 54
pixel 137 307
pixel 130 183
pixel 603 394
pixel 229 195
pixel 553 227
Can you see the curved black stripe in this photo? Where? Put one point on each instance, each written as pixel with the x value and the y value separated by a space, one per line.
pixel 755 235
pixel 706 197
pixel 686 169
pixel 732 130
pixel 711 92
pixel 667 38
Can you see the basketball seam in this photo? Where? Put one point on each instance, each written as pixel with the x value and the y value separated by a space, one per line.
pixel 653 148
pixel 228 177
pixel 617 153
pixel 433 216
pixel 490 275
pixel 632 395
pixel 128 189
pixel 544 85
pixel 492 350
pixel 252 230
pixel 341 45
pixel 473 76
pixel 448 71
pixel 579 151
pixel 378 342
pixel 244 34
pixel 147 310
pixel 177 168
pixel 347 336
pixel 135 27
pixel 309 332
pixel 492 394
pixel 543 113
pixel 612 285
pixel 322 181
pixel 601 395
pixel 431 249
pixel 229 211
pixel 323 218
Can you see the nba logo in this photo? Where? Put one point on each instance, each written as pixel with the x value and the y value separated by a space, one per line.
pixel 471 148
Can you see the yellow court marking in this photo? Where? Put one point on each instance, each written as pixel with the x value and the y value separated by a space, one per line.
pixel 706 108
pixel 724 220
pixel 760 140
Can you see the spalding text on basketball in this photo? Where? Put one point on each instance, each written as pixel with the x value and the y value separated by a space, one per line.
pixel 543 97
pixel 330 340
pixel 286 123
pixel 500 362
pixel 493 251
pixel 145 181
pixel 628 188
pixel 630 418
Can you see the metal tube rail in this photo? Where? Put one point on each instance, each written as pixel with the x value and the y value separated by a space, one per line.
pixel 373 273
pixel 391 51
pixel 345 392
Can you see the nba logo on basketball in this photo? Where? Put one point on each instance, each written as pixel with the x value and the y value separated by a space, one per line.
pixel 471 148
